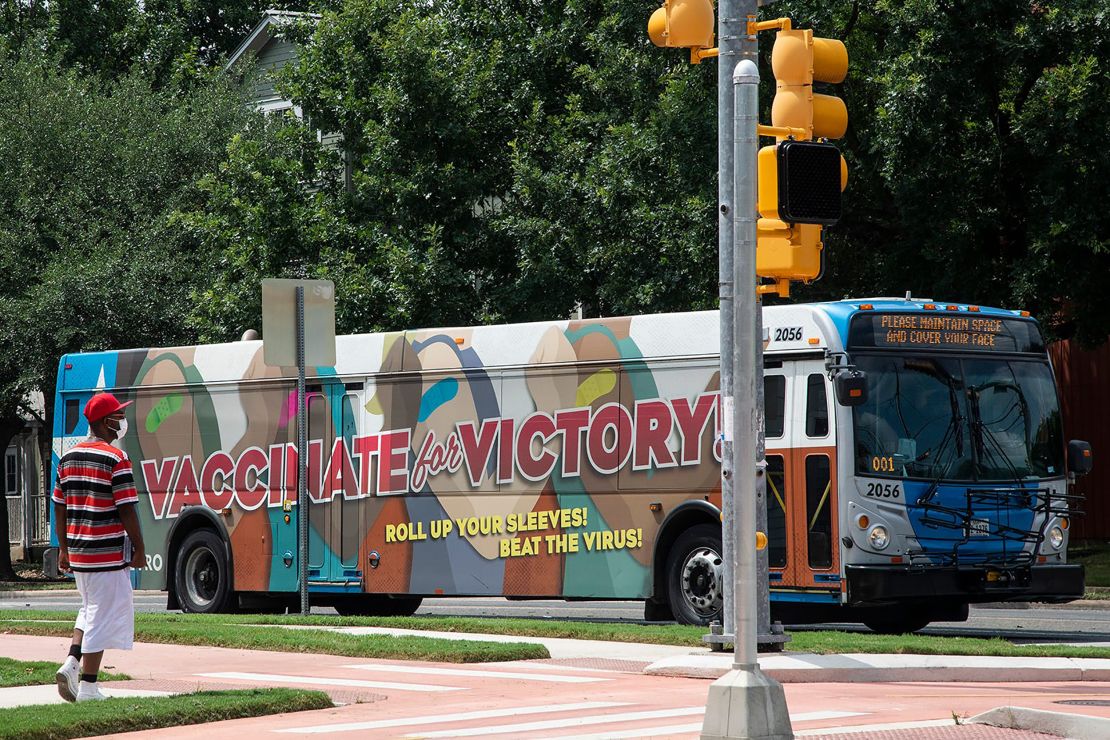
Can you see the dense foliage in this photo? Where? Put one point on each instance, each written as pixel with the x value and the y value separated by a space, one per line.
pixel 512 161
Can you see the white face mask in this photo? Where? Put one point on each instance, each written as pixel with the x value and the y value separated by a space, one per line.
pixel 121 429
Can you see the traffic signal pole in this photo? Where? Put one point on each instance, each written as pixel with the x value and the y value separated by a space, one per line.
pixel 744 703
pixel 730 26
pixel 735 43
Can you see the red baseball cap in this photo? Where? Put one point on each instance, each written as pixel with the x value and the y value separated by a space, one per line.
pixel 101 405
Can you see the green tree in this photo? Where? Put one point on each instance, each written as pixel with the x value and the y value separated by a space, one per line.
pixel 167 41
pixel 972 175
pixel 511 161
pixel 274 208
pixel 90 172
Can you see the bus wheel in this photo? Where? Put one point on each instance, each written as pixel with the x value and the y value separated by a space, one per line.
pixel 695 574
pixel 202 579
pixel 378 606
pixel 902 625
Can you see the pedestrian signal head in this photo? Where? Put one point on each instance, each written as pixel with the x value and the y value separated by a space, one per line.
pixel 809 178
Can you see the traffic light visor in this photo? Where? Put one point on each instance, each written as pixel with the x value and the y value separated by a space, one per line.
pixel 683 23
pixel 799 58
pixel 830 60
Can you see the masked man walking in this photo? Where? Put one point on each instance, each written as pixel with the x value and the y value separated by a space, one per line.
pixel 98 537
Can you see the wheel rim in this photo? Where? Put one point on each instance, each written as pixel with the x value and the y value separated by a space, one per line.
pixel 701 581
pixel 202 577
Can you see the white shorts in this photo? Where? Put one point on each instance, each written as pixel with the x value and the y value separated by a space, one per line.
pixel 107 615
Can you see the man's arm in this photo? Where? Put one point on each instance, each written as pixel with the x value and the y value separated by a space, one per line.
pixel 130 519
pixel 60 531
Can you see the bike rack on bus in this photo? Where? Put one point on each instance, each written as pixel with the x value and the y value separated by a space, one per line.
pixel 1042 503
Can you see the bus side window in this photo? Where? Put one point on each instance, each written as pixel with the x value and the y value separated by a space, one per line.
pixel 817 407
pixel 73 407
pixel 819 511
pixel 774 404
pixel 776 512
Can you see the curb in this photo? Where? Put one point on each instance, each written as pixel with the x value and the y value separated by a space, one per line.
pixel 868 668
pixel 1039 720
pixel 15 595
pixel 1094 604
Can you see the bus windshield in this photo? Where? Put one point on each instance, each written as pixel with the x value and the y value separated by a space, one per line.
pixel 947 418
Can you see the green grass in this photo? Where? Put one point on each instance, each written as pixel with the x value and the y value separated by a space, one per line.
pixel 216 631
pixel 135 714
pixel 257 626
pixel 37 672
pixel 867 642
pixel 1095 557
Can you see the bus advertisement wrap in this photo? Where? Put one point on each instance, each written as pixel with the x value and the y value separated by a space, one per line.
pixel 581 460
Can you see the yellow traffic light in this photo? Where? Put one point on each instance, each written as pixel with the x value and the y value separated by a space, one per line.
pixel 788 251
pixel 794 251
pixel 783 251
pixel 684 24
pixel 799 58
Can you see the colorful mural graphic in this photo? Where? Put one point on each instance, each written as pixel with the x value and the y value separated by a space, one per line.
pixel 545 459
pixel 492 460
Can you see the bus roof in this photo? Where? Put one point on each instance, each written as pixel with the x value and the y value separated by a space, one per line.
pixel 813 327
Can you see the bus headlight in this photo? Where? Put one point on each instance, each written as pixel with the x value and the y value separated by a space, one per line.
pixel 878 537
pixel 1056 538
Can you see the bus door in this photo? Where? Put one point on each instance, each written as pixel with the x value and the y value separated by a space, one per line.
pixel 801 477
pixel 333 515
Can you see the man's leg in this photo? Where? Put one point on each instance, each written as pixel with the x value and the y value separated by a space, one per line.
pixel 68 674
pixel 90 665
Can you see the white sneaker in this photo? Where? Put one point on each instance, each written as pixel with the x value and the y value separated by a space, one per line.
pixel 67 679
pixel 89 691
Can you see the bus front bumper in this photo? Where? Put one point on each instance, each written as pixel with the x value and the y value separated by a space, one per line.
pixel 881 584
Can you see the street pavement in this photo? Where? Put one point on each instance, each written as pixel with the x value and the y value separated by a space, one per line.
pixel 1080 622
pixel 591 689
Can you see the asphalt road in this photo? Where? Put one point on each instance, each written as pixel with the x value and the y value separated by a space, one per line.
pixel 1057 624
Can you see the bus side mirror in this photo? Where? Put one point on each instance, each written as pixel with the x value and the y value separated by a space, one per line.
pixel 851 388
pixel 1079 457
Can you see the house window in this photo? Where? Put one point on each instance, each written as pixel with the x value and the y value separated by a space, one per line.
pixel 11 471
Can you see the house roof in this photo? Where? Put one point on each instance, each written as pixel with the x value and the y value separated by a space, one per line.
pixel 263 32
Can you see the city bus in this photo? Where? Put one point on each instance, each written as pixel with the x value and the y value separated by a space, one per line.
pixel 914 452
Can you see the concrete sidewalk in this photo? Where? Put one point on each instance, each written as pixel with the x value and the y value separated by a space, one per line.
pixel 688 662
pixel 593 684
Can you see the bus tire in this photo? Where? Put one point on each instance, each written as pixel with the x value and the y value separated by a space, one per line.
pixel 695 574
pixel 377 606
pixel 202 578
pixel 899 625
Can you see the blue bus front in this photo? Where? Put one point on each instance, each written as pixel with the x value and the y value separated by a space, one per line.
pixel 959 488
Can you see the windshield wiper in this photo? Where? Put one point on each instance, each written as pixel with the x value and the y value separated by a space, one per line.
pixel 986 443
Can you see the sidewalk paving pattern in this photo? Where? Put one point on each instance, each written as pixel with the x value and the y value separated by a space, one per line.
pixel 599 690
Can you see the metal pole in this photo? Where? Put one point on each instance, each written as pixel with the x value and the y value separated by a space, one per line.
pixel 302 460
pixel 734 43
pixel 745 420
pixel 769 638
pixel 745 703
pixel 728 42
pixel 730 27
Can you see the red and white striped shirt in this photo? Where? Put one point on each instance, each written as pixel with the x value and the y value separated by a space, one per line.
pixel 94 479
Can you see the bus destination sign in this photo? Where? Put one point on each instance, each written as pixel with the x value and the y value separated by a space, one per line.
pixel 968 332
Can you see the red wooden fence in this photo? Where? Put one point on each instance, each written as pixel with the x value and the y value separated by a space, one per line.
pixel 1084 380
